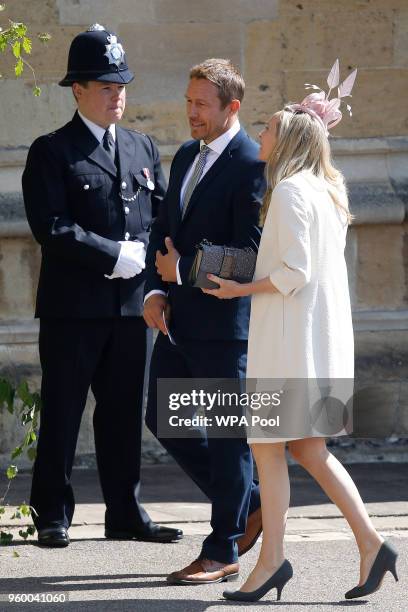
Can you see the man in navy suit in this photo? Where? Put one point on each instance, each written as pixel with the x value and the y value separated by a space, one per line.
pixel 215 187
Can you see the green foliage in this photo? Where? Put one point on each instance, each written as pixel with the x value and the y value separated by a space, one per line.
pixel 6 395
pixel 5 537
pixel 14 39
pixel 16 48
pixel 23 403
pixel 27 45
pixel 19 67
pixel 11 472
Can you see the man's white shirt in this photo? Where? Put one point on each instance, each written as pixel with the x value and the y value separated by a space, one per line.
pixel 216 147
pixel 97 130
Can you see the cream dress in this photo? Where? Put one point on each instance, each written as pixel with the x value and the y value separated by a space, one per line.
pixel 304 331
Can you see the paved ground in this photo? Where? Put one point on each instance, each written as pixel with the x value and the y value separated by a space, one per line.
pixel 99 575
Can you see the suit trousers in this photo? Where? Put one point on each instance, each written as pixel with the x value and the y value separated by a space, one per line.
pixel 222 468
pixel 109 356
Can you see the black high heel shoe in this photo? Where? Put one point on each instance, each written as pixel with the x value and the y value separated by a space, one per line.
pixel 384 562
pixel 278 581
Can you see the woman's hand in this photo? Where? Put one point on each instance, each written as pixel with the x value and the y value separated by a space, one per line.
pixel 227 289
pixel 230 289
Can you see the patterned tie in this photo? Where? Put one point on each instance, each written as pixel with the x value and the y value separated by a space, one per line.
pixel 109 144
pixel 195 177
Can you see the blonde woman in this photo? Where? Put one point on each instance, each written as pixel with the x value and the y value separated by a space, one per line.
pixel 301 327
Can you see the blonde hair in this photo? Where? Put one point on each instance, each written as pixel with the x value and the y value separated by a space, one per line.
pixel 303 145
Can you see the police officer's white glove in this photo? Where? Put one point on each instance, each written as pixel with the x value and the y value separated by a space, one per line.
pixel 131 260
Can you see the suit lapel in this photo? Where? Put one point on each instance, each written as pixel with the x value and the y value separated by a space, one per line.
pixel 86 142
pixel 217 167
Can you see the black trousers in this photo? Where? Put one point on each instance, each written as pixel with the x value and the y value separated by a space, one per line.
pixel 109 356
pixel 221 467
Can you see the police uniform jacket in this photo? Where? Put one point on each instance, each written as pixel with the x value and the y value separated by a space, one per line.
pixel 79 205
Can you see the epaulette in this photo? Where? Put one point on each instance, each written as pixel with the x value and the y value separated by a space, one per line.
pixel 51 134
pixel 137 132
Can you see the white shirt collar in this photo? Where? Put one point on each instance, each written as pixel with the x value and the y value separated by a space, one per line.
pixel 218 144
pixel 97 130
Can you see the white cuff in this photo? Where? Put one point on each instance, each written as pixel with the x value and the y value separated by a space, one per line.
pixel 178 272
pixel 115 272
pixel 153 292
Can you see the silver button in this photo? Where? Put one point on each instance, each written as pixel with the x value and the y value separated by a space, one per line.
pixel 124 184
pixel 127 210
pixel 86 187
pixel 127 236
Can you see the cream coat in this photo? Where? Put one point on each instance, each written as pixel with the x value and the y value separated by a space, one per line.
pixel 305 329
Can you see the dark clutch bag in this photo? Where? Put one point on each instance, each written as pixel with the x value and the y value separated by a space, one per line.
pixel 226 262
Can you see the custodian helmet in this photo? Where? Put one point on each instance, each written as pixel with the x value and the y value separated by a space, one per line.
pixel 97 55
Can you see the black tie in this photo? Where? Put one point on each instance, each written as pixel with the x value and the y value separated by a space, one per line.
pixel 109 144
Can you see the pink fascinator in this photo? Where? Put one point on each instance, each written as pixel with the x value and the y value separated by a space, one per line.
pixel 318 105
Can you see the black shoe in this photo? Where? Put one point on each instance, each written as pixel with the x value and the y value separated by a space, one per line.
pixel 151 533
pixel 54 537
pixel 384 562
pixel 278 581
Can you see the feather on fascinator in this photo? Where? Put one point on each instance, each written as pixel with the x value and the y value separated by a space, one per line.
pixel 318 104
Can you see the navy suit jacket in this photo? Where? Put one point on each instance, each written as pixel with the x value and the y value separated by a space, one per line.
pixel 224 209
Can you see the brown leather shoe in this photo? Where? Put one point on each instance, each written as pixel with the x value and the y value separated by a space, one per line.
pixel 205 571
pixel 252 532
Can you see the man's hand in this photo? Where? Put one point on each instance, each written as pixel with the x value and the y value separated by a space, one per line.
pixel 153 310
pixel 167 264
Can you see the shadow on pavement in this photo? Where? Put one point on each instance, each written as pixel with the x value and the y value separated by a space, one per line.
pixel 376 482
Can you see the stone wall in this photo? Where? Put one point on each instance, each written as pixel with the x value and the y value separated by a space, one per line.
pixel 279 45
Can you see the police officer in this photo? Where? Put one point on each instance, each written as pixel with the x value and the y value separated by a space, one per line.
pixel 91 190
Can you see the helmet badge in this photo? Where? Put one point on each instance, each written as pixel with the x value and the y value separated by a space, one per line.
pixel 114 50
